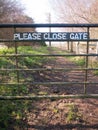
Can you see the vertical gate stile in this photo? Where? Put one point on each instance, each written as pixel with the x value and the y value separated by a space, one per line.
pixel 86 63
pixel 16 58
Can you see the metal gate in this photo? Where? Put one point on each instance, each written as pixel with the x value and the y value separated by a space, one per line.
pixel 70 36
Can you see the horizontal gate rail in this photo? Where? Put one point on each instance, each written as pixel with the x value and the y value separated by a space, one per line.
pixel 49 69
pixel 82 96
pixel 45 55
pixel 90 40
pixel 47 25
pixel 48 83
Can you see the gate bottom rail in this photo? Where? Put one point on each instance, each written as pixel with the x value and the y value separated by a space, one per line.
pixel 49 83
pixel 39 97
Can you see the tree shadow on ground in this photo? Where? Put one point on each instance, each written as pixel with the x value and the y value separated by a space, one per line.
pixel 65 127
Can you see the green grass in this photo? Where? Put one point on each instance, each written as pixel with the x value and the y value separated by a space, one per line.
pixel 23 62
pixel 15 111
pixel 80 61
pixel 95 65
pixel 73 113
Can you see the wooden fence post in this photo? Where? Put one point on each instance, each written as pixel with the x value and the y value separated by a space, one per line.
pixel 77 47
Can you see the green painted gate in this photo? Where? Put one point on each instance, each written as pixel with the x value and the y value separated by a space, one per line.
pixel 83 33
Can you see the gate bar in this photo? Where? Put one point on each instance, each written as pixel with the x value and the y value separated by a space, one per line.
pixel 47 55
pixel 48 83
pixel 8 40
pixel 80 96
pixel 86 62
pixel 49 69
pixel 56 25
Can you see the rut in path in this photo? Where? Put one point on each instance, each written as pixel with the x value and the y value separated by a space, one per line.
pixel 66 76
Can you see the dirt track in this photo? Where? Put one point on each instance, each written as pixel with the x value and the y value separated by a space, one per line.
pixel 53 115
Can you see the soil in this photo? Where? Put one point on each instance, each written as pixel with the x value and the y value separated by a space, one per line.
pixel 64 114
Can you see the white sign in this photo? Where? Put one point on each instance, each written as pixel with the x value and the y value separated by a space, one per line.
pixel 55 36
